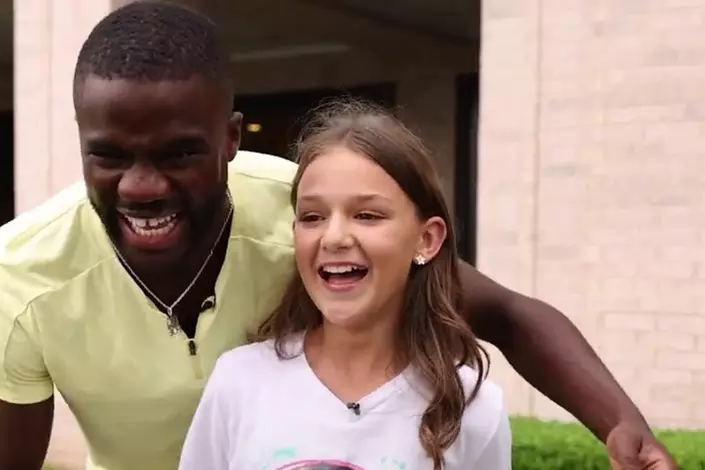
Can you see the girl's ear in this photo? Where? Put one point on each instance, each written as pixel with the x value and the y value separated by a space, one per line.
pixel 433 235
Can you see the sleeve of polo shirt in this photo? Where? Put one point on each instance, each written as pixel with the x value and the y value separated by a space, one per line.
pixel 24 378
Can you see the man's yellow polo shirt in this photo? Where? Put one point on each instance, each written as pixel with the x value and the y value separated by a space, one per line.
pixel 71 317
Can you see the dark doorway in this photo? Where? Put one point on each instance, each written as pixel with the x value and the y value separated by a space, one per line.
pixel 466 122
pixel 7 167
pixel 272 122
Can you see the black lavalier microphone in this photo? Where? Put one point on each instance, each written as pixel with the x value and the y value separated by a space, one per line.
pixel 354 407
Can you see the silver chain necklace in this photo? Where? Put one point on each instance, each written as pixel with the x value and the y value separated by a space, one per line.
pixel 172 320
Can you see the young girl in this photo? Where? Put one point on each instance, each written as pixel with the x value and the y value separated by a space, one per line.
pixel 365 364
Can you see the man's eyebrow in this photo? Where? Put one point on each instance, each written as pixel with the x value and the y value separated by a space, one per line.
pixel 189 141
pixel 101 143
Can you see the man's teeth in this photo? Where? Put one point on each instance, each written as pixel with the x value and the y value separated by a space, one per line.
pixel 154 226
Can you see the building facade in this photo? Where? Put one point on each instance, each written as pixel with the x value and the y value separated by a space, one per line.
pixel 586 189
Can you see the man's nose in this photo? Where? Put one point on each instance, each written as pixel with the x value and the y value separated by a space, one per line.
pixel 142 183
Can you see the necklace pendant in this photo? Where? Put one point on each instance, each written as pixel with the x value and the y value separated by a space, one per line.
pixel 172 324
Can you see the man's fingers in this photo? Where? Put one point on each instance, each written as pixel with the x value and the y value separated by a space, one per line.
pixel 624 448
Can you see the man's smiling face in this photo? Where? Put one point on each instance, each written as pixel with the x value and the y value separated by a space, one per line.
pixel 155 160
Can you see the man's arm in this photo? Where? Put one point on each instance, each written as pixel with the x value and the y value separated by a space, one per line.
pixel 548 351
pixel 26 389
pixel 24 434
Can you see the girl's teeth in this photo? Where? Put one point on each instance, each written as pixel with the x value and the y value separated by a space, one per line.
pixel 340 269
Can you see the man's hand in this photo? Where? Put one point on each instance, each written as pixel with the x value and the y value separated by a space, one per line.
pixel 634 447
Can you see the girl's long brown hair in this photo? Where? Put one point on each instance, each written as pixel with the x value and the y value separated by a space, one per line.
pixel 433 336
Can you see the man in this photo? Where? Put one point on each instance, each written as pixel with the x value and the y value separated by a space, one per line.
pixel 123 291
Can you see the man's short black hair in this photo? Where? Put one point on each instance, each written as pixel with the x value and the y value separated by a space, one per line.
pixel 151 40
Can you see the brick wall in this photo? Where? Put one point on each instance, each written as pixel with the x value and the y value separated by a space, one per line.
pixel 592 184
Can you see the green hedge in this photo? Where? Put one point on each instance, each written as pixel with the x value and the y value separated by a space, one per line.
pixel 545 445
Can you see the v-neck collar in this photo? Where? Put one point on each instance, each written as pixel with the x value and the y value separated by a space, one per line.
pixel 370 403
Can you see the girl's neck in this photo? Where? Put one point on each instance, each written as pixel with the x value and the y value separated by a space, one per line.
pixel 353 363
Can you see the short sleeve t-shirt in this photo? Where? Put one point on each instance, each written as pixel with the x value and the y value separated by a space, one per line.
pixel 72 318
pixel 260 412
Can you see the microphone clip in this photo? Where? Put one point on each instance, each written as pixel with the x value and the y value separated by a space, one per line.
pixel 354 407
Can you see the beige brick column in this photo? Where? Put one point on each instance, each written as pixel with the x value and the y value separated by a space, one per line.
pixel 507 155
pixel 592 169
pixel 48 35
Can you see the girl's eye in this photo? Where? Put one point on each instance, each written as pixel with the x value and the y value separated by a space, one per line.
pixel 368 216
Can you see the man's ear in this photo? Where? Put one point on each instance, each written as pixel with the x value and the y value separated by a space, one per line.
pixel 234 134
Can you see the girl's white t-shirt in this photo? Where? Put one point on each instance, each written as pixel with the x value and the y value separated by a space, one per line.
pixel 262 413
